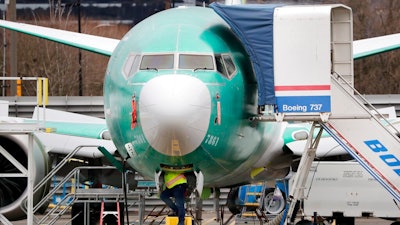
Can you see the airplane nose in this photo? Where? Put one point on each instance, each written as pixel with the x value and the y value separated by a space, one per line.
pixel 174 113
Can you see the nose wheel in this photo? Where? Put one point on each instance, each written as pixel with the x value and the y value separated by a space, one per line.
pixel 274 201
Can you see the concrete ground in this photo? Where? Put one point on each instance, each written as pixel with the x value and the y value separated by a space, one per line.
pixel 210 219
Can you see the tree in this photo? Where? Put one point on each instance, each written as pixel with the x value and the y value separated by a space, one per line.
pixel 379 74
pixel 59 63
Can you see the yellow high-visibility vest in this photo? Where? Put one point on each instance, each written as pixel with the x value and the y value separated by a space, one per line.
pixel 172 179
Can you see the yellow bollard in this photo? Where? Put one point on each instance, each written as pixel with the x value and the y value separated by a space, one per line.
pixel 39 92
pixel 19 87
pixel 45 91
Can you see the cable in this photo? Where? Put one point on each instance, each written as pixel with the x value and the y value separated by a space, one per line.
pixel 125 191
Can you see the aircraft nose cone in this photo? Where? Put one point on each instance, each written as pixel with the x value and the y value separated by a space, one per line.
pixel 174 111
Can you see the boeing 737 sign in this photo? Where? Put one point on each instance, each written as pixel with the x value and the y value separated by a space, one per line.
pixel 301 99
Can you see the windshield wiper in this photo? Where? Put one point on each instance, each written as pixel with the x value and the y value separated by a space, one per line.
pixel 151 68
pixel 201 68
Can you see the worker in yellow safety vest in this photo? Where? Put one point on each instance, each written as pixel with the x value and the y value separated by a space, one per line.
pixel 175 187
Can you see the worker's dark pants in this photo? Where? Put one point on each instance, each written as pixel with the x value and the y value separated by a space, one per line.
pixel 178 193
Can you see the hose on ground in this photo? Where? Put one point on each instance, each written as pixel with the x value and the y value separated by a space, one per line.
pixel 277 219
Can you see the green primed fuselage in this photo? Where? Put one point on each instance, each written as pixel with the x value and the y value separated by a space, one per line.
pixel 221 143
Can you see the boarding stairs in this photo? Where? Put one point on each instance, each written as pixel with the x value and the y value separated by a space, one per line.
pixel 308 88
pixel 369 138
pixel 364 133
pixel 310 76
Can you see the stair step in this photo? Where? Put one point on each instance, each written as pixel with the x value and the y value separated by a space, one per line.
pixel 249 214
pixel 252 204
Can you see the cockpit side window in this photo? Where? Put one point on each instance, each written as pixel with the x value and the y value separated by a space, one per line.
pixel 188 61
pixel 220 65
pixel 131 65
pixel 230 66
pixel 225 65
pixel 157 62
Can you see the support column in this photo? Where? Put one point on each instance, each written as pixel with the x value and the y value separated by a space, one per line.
pixel 297 189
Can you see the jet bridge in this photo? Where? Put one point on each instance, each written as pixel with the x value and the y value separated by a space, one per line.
pixel 313 81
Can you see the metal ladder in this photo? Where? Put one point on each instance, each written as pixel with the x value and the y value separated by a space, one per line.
pixel 254 196
pixel 116 213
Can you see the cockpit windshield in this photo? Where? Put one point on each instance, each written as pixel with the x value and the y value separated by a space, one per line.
pixel 157 62
pixel 204 62
pixel 222 63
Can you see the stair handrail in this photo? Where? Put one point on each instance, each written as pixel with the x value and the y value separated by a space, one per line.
pixel 337 76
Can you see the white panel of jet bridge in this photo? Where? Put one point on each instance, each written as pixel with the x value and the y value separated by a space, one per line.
pixel 302 59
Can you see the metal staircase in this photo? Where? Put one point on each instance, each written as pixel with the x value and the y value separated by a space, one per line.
pixel 325 96
pixel 363 135
pixel 253 198
pixel 81 194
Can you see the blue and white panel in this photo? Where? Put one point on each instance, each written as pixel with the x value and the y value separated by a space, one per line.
pixel 302 59
pixel 303 99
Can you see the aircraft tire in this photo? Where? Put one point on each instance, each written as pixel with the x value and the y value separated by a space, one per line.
pixel 232 201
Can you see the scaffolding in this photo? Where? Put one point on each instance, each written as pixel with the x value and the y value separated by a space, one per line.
pixel 83 194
